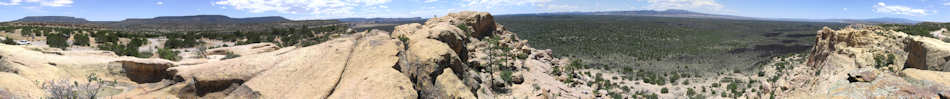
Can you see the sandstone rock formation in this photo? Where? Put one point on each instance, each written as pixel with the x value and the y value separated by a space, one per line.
pixel 244 49
pixel 867 61
pixel 462 55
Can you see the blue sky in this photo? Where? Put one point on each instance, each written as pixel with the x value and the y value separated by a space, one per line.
pixel 114 10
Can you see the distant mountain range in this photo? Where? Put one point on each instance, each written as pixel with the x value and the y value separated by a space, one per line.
pixel 58 19
pixel 209 19
pixel 690 14
pixel 380 20
pixel 197 19
pixel 220 22
pixel 657 13
pixel 183 23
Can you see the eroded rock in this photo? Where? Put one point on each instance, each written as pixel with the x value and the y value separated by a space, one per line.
pixel 147 70
pixel 452 86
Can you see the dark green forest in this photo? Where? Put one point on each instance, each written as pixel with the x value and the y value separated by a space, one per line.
pixel 665 42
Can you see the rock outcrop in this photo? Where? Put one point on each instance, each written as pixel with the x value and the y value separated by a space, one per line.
pixel 147 70
pixel 462 55
pixel 452 86
pixel 244 49
pixel 868 61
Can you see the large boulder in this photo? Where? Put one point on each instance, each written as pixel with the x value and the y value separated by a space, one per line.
pixel 869 61
pixel 481 24
pixel 942 78
pixel 452 86
pixel 927 54
pixel 369 72
pixel 147 70
pixel 424 59
pixel 244 50
pixel 358 66
pixel 18 87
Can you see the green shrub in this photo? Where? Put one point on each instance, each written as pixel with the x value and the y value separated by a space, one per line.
pixel 506 75
pixel 144 55
pixel 614 95
pixel 462 27
pixel 168 54
pixel 81 39
pixel 674 77
pixel 404 39
pixel 57 40
pixel 652 96
pixel 521 56
pixel 9 41
pixel 882 61
pixel 734 88
pixel 664 90
pixel 230 55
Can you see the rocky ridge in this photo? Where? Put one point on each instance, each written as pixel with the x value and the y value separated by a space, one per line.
pixel 870 62
pixel 462 55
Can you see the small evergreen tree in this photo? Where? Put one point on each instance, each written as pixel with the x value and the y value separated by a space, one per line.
pixel 9 41
pixel 57 40
pixel 81 39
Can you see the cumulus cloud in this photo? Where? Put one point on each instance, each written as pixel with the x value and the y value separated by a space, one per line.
pixel 428 1
pixel 159 3
pixel 493 3
pixel 295 6
pixel 558 7
pixel 946 4
pixel 700 5
pixel 881 7
pixel 48 3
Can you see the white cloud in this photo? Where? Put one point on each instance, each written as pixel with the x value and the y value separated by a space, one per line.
pixel 493 3
pixel 48 3
pixel 698 5
pixel 881 7
pixel 316 7
pixel 558 7
pixel 429 1
pixel 159 3
pixel 845 9
pixel 946 4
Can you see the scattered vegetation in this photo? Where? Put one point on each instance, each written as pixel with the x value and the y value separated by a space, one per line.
pixel 664 90
pixel 920 29
pixel 638 41
pixel 230 55
pixel 57 40
pixel 62 89
pixel 81 39
pixel 9 41
pixel 506 75
pixel 168 54
pixel 882 61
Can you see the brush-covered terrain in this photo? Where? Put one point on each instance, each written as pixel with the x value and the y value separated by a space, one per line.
pixel 665 43
pixel 470 55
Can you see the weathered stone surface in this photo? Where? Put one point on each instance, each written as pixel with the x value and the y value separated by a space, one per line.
pixel 244 50
pixel 320 64
pixel 19 87
pixel 452 86
pixel 482 23
pixel 369 72
pixel 147 70
pixel 927 54
pixel 357 66
pixel 424 59
pixel 854 62
pixel 942 78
